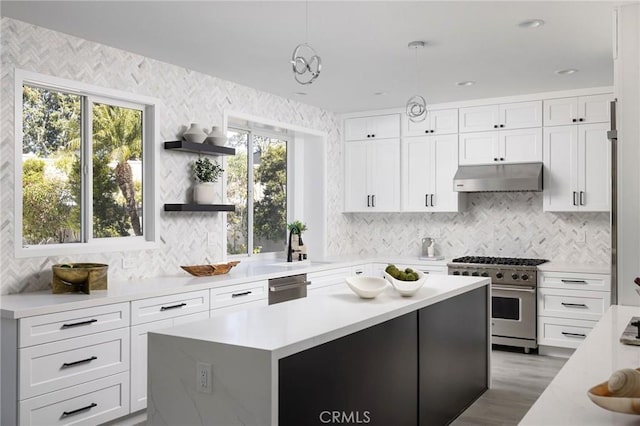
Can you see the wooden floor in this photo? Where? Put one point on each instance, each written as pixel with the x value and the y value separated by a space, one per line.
pixel 517 381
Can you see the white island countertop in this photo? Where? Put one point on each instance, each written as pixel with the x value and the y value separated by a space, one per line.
pixel 291 327
pixel 565 401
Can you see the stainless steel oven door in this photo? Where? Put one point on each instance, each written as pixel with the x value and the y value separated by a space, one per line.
pixel 513 311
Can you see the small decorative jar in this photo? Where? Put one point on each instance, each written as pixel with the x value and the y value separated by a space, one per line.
pixel 194 134
pixel 216 137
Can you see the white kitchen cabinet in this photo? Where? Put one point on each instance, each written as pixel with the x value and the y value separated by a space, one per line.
pixel 378 268
pixel 577 172
pixel 516 115
pixel 428 167
pixel 139 354
pixel 437 122
pixel 501 147
pixel 570 305
pixel 581 109
pixel 372 176
pixel 328 278
pixel 373 127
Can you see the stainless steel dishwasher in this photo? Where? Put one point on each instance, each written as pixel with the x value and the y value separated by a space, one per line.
pixel 287 288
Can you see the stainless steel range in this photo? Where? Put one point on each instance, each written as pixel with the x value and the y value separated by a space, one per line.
pixel 513 296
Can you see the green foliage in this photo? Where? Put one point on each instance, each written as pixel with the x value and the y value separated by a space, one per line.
pixel 298 225
pixel 237 235
pixel 270 212
pixel 204 170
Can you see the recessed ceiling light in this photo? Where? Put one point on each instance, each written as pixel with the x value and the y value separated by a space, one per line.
pixel 418 44
pixel 466 83
pixel 567 71
pixel 300 93
pixel 531 23
pixel 379 93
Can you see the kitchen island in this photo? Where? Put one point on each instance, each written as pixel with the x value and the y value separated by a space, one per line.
pixel 329 358
pixel 565 400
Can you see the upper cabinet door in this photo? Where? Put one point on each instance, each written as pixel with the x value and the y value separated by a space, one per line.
pixel 560 112
pixel 356 190
pixel 445 160
pixel 594 167
pixel 560 169
pixel 521 146
pixel 520 115
pixel 384 175
pixel 477 119
pixel 443 121
pixel 420 128
pixel 374 127
pixel 356 128
pixel 478 148
pixel 594 108
pixel 418 173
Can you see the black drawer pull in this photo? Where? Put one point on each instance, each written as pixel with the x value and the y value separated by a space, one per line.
pixel 573 334
pixel 166 308
pixel 574 305
pixel 82 361
pixel 574 281
pixel 244 293
pixel 77 324
pixel 79 410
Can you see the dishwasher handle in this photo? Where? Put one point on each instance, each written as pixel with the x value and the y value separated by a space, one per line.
pixel 276 288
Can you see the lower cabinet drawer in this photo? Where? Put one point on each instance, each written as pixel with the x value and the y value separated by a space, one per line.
pixel 90 403
pixel 327 278
pixel 587 305
pixel 163 307
pixel 236 294
pixel 563 332
pixel 53 366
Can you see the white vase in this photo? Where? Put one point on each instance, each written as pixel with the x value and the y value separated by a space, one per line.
pixel 216 137
pixel 204 193
pixel 194 134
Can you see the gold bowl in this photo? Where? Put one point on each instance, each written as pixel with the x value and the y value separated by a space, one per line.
pixel 83 277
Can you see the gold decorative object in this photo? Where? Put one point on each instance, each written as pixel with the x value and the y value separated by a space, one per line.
pixel 82 277
pixel 208 270
pixel 620 394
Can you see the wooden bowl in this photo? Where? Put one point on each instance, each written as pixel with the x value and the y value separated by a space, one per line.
pixel 601 396
pixel 209 270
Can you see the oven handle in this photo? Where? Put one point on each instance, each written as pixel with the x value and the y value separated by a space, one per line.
pixel 276 288
pixel 514 288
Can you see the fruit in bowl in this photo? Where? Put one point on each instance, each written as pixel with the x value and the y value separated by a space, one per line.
pixel 366 287
pixel 406 282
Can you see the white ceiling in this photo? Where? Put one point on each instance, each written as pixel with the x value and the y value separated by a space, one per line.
pixel 363 44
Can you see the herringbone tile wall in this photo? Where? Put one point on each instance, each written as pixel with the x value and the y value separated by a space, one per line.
pixel 509 224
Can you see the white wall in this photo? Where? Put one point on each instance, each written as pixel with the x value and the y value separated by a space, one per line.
pixel 627 90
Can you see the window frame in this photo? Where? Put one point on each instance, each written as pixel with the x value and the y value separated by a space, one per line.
pixel 250 186
pixel 150 153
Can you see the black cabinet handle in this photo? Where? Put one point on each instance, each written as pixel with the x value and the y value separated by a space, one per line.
pixel 368 136
pixel 431 200
pixel 495 159
pixel 574 120
pixel 580 119
pixel 575 200
pixel 501 158
pixel 82 361
pixel 495 126
pixel 574 334
pixel 574 281
pixel 502 125
pixel 244 293
pixel 426 200
pixel 78 324
pixel 368 200
pixel 432 131
pixel 79 410
pixel 573 305
pixel 166 308
pixel 373 200
pixel 373 135
pixel 582 198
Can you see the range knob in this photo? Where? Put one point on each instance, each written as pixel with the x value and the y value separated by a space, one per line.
pixel 475 274
pixel 499 275
pixel 524 277
pixel 485 274
pixel 465 273
pixel 514 276
pixel 456 272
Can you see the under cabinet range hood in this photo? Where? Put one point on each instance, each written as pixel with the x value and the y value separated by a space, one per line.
pixel 502 177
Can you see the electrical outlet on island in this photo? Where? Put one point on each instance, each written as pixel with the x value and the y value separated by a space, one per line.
pixel 203 377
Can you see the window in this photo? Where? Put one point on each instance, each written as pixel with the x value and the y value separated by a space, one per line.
pixel 257 186
pixel 87 169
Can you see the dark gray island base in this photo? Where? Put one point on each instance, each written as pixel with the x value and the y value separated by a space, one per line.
pixel 423 368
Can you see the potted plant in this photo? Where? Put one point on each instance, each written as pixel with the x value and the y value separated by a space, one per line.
pixel 205 173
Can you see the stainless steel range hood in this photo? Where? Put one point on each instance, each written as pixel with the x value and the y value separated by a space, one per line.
pixel 503 177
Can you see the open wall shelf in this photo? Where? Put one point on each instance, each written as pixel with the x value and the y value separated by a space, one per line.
pixel 199 148
pixel 199 208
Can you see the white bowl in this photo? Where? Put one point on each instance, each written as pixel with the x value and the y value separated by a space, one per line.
pixel 407 288
pixel 216 140
pixel 366 287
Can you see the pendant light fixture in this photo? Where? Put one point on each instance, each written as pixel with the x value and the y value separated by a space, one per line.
pixel 305 61
pixel 417 105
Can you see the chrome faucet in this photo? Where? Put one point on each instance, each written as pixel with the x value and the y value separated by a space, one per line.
pixel 294 230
